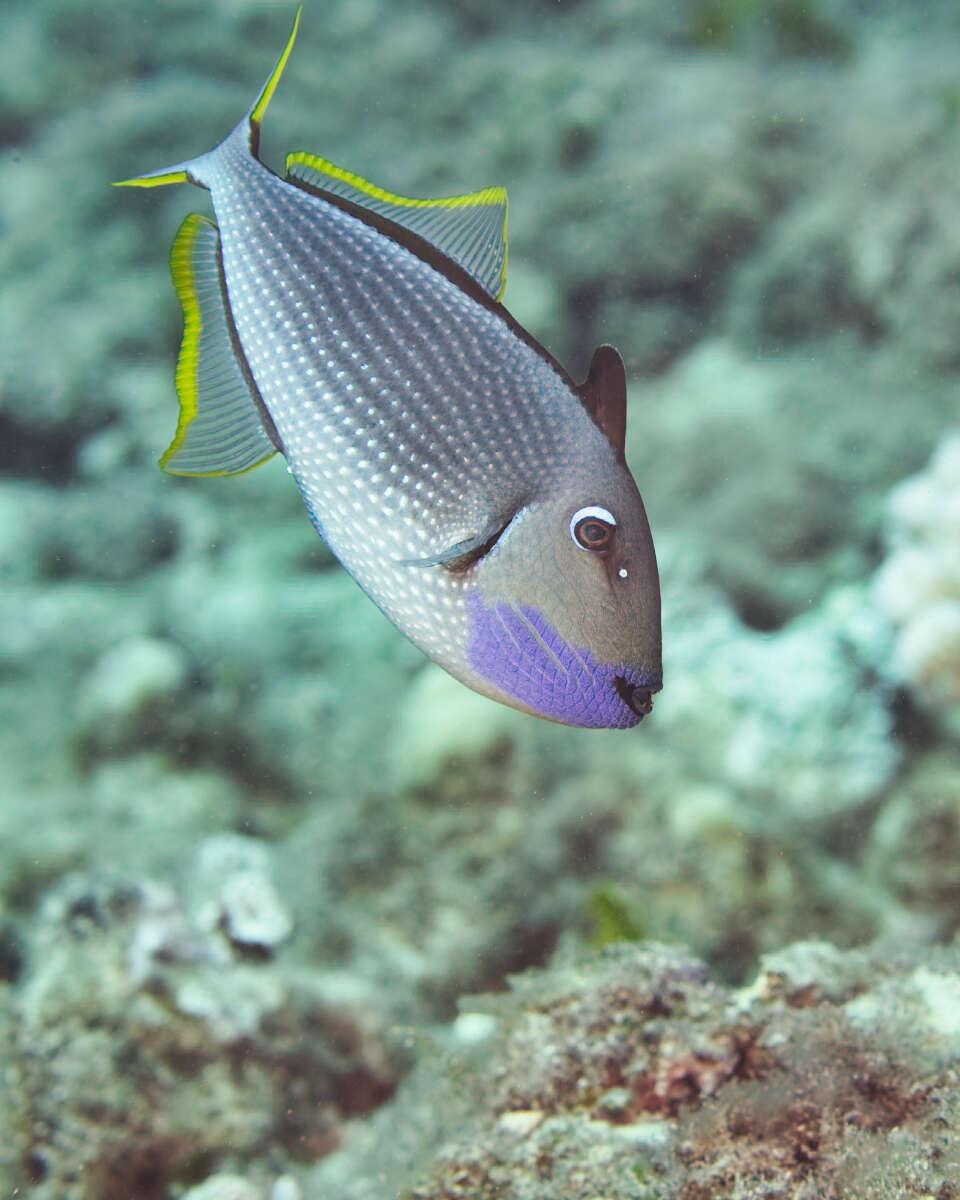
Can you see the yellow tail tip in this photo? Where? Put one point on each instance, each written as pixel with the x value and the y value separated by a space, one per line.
pixel 260 104
pixel 157 180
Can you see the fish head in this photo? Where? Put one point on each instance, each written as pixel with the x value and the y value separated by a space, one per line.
pixel 564 607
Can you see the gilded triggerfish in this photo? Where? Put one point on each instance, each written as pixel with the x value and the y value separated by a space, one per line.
pixel 475 493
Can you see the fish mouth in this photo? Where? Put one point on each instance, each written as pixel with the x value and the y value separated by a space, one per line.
pixel 638 697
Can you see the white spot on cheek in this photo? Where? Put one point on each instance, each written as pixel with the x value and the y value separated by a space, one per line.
pixel 622 572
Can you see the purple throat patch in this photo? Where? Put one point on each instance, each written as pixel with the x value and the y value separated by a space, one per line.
pixel 514 648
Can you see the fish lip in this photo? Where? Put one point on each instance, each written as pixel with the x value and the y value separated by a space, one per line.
pixel 638 697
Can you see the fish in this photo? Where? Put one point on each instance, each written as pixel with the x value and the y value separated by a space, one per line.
pixel 478 495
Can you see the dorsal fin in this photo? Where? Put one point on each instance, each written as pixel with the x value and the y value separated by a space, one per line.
pixel 471 229
pixel 604 395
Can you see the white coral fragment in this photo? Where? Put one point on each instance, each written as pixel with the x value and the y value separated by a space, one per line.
pixel 918 587
pixel 231 888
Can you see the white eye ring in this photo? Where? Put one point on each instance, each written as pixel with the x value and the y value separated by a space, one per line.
pixel 594 512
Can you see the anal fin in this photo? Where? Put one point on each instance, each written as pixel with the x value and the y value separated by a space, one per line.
pixel 223 428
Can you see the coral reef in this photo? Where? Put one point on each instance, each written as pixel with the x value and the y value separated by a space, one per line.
pixel 253 852
pixel 632 1074
pixel 918 586
pixel 175 1051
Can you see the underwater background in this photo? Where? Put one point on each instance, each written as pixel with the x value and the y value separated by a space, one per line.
pixel 285 911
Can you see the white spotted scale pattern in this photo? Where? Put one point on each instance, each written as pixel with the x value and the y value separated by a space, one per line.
pixel 410 414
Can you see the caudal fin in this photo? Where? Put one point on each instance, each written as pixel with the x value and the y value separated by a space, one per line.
pixel 249 128
pixel 259 106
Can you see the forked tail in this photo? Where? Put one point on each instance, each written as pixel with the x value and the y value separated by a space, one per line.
pixel 247 130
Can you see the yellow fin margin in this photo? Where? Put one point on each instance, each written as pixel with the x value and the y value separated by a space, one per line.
pixel 158 180
pixel 223 428
pixel 266 95
pixel 488 197
pixel 181 271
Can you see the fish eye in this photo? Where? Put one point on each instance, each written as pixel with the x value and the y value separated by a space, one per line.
pixel 592 528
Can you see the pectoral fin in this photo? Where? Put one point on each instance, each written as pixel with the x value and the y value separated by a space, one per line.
pixel 460 556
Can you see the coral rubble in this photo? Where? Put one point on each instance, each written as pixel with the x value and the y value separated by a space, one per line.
pixel 632 1075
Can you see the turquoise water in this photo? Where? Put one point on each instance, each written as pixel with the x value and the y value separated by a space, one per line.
pixel 254 850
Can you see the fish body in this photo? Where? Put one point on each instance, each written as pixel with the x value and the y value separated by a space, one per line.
pixel 473 491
